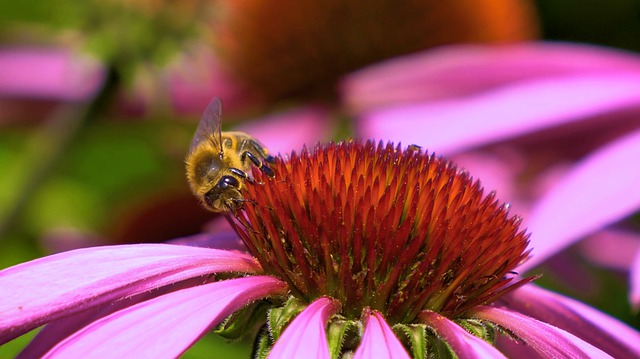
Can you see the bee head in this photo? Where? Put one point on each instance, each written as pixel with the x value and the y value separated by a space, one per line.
pixel 223 195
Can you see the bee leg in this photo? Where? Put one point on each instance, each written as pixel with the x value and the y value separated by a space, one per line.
pixel 262 152
pixel 256 161
pixel 270 159
pixel 241 173
pixel 241 201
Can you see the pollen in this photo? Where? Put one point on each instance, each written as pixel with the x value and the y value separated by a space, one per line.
pixel 379 227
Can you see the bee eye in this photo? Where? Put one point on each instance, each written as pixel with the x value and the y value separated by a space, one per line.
pixel 227 181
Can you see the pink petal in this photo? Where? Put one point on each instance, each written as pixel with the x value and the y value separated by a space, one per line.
pixel 305 336
pixel 167 325
pixel 454 125
pixel 497 171
pixel 283 132
pixel 62 284
pixel 611 248
pixel 547 340
pixel 54 332
pixel 591 325
pixel 515 349
pixel 379 341
pixel 227 240
pixel 634 279
pixel 461 70
pixel 600 190
pixel 218 234
pixel 198 77
pixel 48 73
pixel 461 342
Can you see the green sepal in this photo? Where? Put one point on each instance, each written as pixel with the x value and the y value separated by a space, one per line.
pixel 244 322
pixel 342 335
pixel 438 348
pixel 414 337
pixel 481 329
pixel 263 343
pixel 278 318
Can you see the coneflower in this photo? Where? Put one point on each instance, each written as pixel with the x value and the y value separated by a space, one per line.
pixel 356 250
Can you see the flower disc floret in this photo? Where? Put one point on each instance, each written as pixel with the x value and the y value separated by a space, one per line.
pixel 380 228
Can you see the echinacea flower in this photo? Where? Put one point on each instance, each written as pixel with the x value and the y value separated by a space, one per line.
pixel 355 249
pixel 314 43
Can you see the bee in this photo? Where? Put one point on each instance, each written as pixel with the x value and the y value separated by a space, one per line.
pixel 218 163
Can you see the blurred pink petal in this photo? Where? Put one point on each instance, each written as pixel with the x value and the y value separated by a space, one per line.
pixel 587 323
pixel 611 248
pixel 600 190
pixel 461 70
pixel 496 171
pixel 48 73
pixel 461 342
pixel 305 336
pixel 48 288
pixel 547 340
pixel 454 125
pixel 634 282
pixel 290 130
pixel 141 330
pixel 196 79
pixel 379 341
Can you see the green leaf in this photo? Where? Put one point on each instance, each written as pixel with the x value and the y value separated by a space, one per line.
pixel 342 335
pixel 244 322
pixel 438 348
pixel 263 344
pixel 278 318
pixel 413 336
pixel 481 329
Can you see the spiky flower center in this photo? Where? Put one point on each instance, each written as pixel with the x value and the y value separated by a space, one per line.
pixel 379 227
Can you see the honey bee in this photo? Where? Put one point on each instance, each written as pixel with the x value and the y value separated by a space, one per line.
pixel 218 163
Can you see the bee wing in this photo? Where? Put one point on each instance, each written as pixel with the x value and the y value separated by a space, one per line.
pixel 209 127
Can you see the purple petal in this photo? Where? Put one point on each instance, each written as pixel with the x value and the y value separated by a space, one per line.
pixel 454 125
pixel 62 284
pixel 461 70
pixel 167 325
pixel 600 190
pixel 515 349
pixel 611 248
pixel 305 336
pixel 593 326
pixel 634 279
pixel 282 132
pixel 461 342
pixel 547 340
pixel 497 171
pixel 379 341
pixel 47 73
pixel 227 240
pixel 54 332
pixel 197 78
